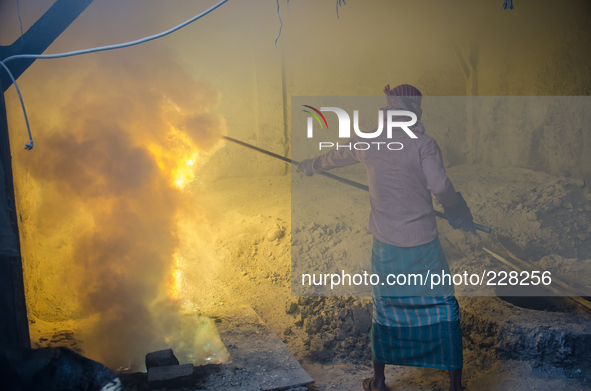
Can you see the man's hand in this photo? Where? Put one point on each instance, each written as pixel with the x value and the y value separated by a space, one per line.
pixel 459 216
pixel 306 167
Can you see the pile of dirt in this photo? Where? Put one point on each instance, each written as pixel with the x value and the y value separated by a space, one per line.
pixel 544 214
pixel 335 327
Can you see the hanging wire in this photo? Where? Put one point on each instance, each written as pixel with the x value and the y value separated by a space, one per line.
pixel 29 145
pixel 508 4
pixel 280 24
pixel 340 4
pixel 280 21
pixel 20 21
pixel 116 46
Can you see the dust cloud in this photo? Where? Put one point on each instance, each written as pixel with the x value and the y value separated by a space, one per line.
pixel 109 176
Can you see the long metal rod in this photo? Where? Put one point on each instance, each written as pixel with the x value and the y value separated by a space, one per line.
pixel 331 176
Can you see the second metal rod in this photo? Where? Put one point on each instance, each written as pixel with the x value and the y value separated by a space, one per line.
pixel 331 176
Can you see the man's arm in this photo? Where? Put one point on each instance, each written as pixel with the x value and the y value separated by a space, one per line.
pixel 437 182
pixel 345 155
pixel 455 207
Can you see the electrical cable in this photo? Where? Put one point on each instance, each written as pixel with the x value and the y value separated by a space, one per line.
pixel 94 50
pixel 507 4
pixel 116 46
pixel 20 21
pixel 29 145
pixel 340 5
pixel 280 23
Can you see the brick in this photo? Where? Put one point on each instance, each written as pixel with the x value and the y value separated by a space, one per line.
pixel 171 376
pixel 161 358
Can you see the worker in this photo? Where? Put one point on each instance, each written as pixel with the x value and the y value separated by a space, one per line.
pixel 409 327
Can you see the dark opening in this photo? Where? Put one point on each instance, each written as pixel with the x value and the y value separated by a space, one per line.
pixel 536 298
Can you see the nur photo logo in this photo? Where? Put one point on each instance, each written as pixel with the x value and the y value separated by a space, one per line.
pixel 402 119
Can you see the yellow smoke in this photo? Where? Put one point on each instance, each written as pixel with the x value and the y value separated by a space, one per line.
pixel 102 195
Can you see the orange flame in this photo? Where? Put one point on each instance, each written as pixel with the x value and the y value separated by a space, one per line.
pixel 175 284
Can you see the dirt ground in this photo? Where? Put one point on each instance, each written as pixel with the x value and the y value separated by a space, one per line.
pixel 548 216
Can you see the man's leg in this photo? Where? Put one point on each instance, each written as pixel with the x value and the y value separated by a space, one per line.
pixel 379 379
pixel 455 379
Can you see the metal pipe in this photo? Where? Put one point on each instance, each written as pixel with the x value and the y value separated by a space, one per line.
pixel 331 176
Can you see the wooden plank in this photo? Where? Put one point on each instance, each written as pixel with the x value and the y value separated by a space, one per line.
pixel 259 359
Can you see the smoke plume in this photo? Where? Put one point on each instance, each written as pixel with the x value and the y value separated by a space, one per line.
pixel 129 130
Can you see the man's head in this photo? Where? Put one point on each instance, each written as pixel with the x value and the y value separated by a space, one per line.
pixel 404 97
pixel 405 90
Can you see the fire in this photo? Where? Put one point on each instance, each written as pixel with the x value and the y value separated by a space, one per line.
pixel 176 281
pixel 178 162
pixel 178 157
pixel 184 174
